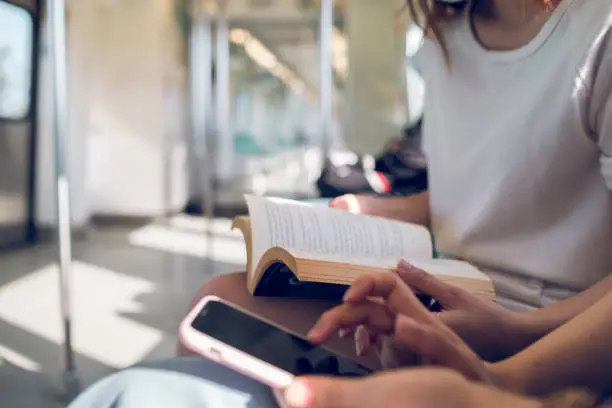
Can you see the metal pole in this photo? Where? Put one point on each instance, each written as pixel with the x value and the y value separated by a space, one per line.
pixel 326 73
pixel 57 37
pixel 201 49
pixel 209 164
pixel 225 146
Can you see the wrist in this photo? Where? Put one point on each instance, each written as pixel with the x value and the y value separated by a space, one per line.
pixel 508 373
pixel 535 325
pixel 514 335
pixel 523 329
pixel 508 376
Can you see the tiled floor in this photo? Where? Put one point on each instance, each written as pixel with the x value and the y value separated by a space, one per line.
pixel 130 290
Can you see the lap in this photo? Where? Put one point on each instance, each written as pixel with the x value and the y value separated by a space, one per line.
pixel 296 315
pixel 187 382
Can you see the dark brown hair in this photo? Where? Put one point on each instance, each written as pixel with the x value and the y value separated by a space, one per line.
pixel 431 15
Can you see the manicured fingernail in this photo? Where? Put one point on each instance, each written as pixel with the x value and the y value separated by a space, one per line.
pixel 359 349
pixel 404 265
pixel 298 395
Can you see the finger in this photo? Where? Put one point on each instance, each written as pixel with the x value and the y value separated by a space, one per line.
pixel 433 343
pixel 379 342
pixel 323 392
pixel 371 342
pixel 386 354
pixel 350 315
pixel 362 287
pixel 363 341
pixel 446 294
pixel 398 296
pixel 456 320
pixel 300 394
pixel 347 202
pixel 394 354
pixel 440 347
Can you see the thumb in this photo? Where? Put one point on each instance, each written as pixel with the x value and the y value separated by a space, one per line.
pixel 324 392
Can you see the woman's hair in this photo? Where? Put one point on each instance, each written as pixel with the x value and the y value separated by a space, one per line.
pixel 431 15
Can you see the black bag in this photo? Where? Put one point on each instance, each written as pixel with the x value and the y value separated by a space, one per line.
pixel 353 178
pixel 404 163
pixel 400 170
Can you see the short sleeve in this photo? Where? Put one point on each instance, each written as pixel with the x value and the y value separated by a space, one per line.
pixel 604 130
pixel 601 104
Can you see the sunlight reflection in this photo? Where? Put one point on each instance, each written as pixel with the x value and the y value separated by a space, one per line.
pixel 219 226
pixel 163 238
pixel 18 359
pixel 100 297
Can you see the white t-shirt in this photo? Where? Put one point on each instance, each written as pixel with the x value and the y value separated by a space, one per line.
pixel 519 148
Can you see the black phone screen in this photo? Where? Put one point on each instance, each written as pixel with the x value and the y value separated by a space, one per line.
pixel 271 344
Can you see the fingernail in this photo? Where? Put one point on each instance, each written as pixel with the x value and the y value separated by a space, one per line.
pixel 298 395
pixel 314 333
pixel 343 333
pixel 359 349
pixel 404 266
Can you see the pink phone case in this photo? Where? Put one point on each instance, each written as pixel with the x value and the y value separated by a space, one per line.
pixel 280 398
pixel 231 357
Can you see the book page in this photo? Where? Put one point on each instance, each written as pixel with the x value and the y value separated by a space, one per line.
pixel 326 234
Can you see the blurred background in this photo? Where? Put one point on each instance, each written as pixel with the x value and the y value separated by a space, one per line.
pixel 176 109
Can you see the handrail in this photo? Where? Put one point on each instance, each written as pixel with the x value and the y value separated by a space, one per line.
pixel 57 41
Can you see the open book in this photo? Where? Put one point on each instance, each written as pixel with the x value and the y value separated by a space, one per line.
pixel 296 249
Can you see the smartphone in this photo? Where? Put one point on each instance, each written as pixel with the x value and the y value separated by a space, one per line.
pixel 259 349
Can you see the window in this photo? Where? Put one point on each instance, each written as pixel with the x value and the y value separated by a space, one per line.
pixel 15 61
